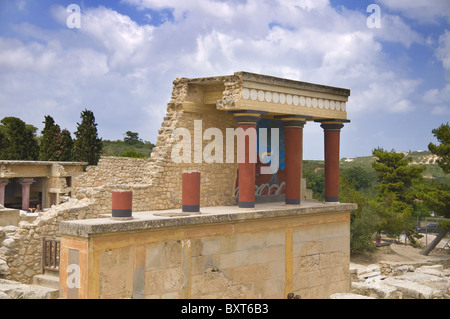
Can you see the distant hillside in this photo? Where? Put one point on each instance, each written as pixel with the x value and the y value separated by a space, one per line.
pixel 138 149
pixel 426 158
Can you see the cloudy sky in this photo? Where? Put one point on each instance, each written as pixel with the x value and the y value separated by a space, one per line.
pixel 121 61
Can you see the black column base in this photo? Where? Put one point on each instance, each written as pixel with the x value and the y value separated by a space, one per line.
pixel 190 208
pixel 292 201
pixel 246 204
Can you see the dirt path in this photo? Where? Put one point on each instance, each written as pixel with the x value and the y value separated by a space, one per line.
pixel 399 253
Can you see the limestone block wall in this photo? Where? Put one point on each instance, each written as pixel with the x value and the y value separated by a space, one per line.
pixel 253 257
pixel 111 171
pixel 320 259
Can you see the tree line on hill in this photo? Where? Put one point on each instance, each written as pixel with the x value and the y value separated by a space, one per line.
pixel 18 141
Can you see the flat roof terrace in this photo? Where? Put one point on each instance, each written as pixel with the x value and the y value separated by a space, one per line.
pixel 208 215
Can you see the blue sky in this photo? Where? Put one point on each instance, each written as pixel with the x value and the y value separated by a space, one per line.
pixel 122 61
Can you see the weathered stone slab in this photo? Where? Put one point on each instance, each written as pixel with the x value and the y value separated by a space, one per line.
pixel 376 289
pixel 409 289
pixel 14 290
pixel 349 296
pixel 9 217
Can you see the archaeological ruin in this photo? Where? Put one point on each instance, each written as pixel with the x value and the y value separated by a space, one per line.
pixel 203 217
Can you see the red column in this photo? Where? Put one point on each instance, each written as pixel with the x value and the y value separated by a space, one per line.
pixel 247 144
pixel 26 184
pixel 3 183
pixel 293 145
pixel 122 204
pixel 190 192
pixel 332 130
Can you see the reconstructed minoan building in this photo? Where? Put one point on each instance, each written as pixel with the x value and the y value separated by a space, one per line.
pixel 206 224
pixel 25 184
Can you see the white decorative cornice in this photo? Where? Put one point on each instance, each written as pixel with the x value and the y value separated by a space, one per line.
pixel 292 99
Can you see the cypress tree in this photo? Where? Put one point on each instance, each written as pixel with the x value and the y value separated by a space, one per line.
pixel 66 146
pixel 87 145
pixel 49 140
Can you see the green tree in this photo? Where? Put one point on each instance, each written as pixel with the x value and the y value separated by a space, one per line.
pixel 436 198
pixel 364 220
pixel 363 227
pixel 87 144
pixel 49 140
pixel 395 175
pixel 396 194
pixel 316 182
pixel 17 140
pixel 66 146
pixel 357 176
pixel 442 133
pixel 56 145
pixel 131 137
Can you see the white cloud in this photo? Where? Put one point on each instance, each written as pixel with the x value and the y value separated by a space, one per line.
pixel 440 110
pixel 438 99
pixel 443 50
pixel 387 94
pixel 101 66
pixel 395 29
pixel 124 70
pixel 424 11
pixel 21 4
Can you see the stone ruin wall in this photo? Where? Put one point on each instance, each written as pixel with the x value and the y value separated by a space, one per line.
pixel 112 171
pixel 21 246
pixel 156 185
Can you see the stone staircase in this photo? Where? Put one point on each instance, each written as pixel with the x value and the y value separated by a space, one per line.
pixel 49 280
pixel 15 290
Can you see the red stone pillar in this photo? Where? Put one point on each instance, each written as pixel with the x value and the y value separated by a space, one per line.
pixel 293 150
pixel 26 185
pixel 332 130
pixel 247 157
pixel 190 191
pixel 3 183
pixel 122 204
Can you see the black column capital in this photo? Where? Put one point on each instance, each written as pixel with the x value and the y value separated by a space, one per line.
pixel 247 116
pixel 332 124
pixel 293 121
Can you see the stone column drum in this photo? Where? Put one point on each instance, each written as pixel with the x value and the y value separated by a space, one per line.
pixel 293 141
pixel 122 203
pixel 190 192
pixel 332 131
pixel 3 183
pixel 26 185
pixel 246 166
